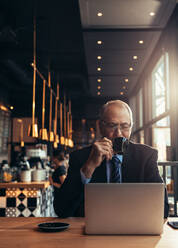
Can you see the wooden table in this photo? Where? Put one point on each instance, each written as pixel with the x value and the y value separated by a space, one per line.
pixel 23 232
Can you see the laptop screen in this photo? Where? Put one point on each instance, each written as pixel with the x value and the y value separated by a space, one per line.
pixel 127 208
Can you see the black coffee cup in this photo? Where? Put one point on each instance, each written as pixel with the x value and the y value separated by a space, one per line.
pixel 119 145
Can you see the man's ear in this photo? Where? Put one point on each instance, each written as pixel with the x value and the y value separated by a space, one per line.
pixel 131 131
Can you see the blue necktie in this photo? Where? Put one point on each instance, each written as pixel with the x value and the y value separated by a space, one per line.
pixel 115 170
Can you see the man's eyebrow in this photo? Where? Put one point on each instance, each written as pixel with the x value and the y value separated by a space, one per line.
pixel 124 123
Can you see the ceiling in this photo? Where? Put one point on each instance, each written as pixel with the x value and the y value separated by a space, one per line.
pixel 120 27
pixel 67 35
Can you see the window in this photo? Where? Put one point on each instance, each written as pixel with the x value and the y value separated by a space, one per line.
pixel 161 137
pixel 132 104
pixel 160 87
pixel 147 99
pixel 142 138
pixel 160 105
pixel 140 108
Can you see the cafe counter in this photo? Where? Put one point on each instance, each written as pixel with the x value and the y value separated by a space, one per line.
pixel 19 199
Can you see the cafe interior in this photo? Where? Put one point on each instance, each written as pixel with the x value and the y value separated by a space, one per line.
pixel 60 61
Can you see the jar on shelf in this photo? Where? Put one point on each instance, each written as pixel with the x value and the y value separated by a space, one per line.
pixel 6 175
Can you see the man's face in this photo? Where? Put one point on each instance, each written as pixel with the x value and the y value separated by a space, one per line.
pixel 115 122
pixel 55 162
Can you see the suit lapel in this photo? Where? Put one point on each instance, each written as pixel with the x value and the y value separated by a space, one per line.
pixel 127 163
pixel 129 170
pixel 126 156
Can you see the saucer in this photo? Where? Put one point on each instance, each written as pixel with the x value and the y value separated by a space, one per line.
pixel 53 226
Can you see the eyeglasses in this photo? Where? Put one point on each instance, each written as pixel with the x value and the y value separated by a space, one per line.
pixel 124 127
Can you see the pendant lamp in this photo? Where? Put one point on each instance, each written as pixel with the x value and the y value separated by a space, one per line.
pixel 50 134
pixel 62 139
pixel 43 131
pixel 68 130
pixel 65 123
pixel 21 132
pixel 56 137
pixel 71 144
pixel 33 128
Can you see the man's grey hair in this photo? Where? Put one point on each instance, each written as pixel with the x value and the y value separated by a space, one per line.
pixel 121 104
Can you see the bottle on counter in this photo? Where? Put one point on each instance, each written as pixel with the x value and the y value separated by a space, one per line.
pixel 6 173
pixel 4 164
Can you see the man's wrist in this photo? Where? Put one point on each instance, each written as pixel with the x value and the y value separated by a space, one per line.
pixel 87 170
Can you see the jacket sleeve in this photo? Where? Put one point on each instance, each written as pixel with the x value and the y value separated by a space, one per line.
pixel 152 175
pixel 151 168
pixel 69 198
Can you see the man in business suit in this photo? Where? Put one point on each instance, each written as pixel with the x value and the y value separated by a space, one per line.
pixel 93 164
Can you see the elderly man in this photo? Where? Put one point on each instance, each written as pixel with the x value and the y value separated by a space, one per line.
pixel 93 164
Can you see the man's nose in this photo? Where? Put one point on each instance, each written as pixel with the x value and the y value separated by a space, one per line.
pixel 118 132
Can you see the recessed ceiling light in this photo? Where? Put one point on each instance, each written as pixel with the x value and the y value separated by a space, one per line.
pixel 98 93
pixel 99 57
pixel 99 87
pixel 152 13
pixel 135 57
pixel 99 69
pixel 131 69
pixel 99 42
pixel 99 80
pixel 140 41
pixel 121 93
pixel 126 80
pixel 99 14
pixel 11 107
pixel 124 87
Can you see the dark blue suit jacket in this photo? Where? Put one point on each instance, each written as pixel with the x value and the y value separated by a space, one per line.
pixel 139 165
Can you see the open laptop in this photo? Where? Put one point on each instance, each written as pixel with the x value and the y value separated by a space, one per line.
pixel 127 208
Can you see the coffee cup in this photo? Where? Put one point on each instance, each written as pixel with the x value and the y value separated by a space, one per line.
pixel 119 145
pixel 25 176
pixel 38 175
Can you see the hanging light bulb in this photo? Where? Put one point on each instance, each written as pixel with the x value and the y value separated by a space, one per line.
pixel 55 144
pixel 21 132
pixel 33 129
pixel 62 139
pixel 65 137
pixel 43 131
pixel 50 134
pixel 67 126
pixel 22 142
pixel 56 137
pixel 70 142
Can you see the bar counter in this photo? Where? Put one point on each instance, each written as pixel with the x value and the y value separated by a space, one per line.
pixel 23 232
pixel 38 185
pixel 19 199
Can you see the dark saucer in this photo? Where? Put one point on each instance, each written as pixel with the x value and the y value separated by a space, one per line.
pixel 53 226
